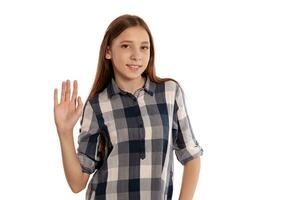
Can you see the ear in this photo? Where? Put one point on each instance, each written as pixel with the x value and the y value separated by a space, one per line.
pixel 108 53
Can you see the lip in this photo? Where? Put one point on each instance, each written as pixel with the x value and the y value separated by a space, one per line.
pixel 133 65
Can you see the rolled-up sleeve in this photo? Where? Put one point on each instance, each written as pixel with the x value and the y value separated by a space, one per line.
pixel 185 144
pixel 88 140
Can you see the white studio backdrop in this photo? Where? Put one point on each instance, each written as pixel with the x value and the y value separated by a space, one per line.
pixel 238 62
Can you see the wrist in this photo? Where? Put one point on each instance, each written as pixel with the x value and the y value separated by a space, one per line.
pixel 65 133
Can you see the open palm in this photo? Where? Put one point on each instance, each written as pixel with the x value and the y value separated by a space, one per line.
pixel 68 111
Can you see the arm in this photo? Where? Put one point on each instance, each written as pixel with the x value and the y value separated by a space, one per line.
pixel 76 179
pixel 190 179
pixel 66 114
pixel 187 148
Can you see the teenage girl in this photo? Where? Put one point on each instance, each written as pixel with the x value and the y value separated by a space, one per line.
pixel 130 124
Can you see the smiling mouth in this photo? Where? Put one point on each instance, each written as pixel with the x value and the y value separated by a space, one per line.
pixel 133 66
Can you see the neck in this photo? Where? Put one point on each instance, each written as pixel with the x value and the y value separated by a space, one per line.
pixel 130 85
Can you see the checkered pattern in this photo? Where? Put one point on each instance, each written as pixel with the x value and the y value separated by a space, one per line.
pixel 140 132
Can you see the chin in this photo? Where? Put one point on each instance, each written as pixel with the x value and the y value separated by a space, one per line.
pixel 131 76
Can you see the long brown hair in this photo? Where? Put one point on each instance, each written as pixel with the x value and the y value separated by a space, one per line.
pixel 105 71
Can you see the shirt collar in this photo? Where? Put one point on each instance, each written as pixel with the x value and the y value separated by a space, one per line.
pixel 113 88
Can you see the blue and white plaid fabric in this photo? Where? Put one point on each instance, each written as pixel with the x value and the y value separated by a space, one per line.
pixel 140 131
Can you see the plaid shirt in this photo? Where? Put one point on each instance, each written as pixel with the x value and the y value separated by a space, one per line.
pixel 140 130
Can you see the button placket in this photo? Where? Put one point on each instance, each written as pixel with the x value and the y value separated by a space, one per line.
pixel 140 126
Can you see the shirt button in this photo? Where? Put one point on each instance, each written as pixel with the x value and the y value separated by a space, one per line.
pixel 142 155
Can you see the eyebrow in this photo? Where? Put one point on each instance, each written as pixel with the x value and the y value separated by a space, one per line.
pixel 130 41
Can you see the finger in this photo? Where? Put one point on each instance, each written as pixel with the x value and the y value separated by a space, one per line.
pixel 68 91
pixel 55 97
pixel 74 93
pixel 79 106
pixel 63 90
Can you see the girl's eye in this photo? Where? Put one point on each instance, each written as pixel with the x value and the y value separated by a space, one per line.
pixel 124 46
pixel 127 46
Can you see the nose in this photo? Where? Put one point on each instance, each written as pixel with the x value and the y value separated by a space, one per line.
pixel 135 55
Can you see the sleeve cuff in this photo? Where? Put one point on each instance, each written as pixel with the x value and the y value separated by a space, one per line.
pixel 192 151
pixel 87 164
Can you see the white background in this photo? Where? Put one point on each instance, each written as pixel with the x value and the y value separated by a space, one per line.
pixel 238 62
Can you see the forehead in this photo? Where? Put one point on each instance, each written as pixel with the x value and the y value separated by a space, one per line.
pixel 135 34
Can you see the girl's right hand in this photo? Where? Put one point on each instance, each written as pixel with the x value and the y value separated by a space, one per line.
pixel 67 112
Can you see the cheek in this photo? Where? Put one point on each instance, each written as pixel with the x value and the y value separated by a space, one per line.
pixel 147 58
pixel 119 59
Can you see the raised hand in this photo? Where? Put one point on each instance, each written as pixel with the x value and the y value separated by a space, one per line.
pixel 68 111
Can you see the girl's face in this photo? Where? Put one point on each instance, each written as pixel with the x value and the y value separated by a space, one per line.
pixel 130 53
